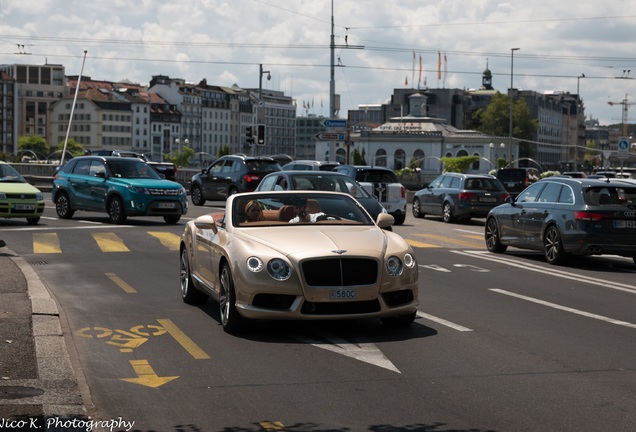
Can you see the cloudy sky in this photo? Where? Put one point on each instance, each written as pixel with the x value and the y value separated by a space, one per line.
pixel 379 45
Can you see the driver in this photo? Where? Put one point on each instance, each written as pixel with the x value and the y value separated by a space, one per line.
pixel 308 211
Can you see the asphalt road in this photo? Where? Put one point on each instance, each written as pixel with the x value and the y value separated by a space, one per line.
pixel 501 343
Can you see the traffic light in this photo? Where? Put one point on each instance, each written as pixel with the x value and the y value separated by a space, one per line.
pixel 261 134
pixel 249 134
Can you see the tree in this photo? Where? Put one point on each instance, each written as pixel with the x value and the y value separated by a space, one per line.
pixel 72 147
pixel 458 164
pixel 180 158
pixel 34 143
pixel 495 118
pixel 359 157
pixel 223 150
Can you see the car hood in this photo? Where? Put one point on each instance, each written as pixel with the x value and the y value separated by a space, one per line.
pixel 147 183
pixel 11 187
pixel 311 240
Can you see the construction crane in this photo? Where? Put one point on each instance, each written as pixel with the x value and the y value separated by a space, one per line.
pixel 625 110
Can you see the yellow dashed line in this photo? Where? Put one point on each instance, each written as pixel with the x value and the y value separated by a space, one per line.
pixel 110 242
pixel 417 244
pixel 476 237
pixel 450 240
pixel 46 243
pixel 121 284
pixel 273 426
pixel 169 240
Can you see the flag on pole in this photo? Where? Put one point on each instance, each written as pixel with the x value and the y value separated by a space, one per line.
pixel 413 70
pixel 419 81
pixel 406 80
pixel 439 65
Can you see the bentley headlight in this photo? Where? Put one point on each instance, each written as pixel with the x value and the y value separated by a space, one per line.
pixel 254 264
pixel 394 266
pixel 409 260
pixel 279 269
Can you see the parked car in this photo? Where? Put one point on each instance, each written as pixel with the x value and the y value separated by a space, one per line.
pixel 322 180
pixel 310 165
pixel 383 184
pixel 19 199
pixel 338 265
pixel 566 216
pixel 459 196
pixel 575 174
pixel 229 175
pixel 118 186
pixel 517 179
pixel 167 169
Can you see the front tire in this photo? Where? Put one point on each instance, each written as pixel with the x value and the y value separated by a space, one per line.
pixel 399 218
pixel 417 210
pixel 189 293
pixel 231 320
pixel 172 219
pixel 63 206
pixel 493 238
pixel 553 246
pixel 116 211
pixel 197 196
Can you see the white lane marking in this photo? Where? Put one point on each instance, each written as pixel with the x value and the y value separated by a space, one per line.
pixel 435 267
pixel 485 255
pixel 566 309
pixel 71 228
pixel 443 322
pixel 364 351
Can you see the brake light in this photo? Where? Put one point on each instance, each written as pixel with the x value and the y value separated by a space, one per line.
pixel 403 192
pixel 248 178
pixel 505 196
pixel 526 182
pixel 466 195
pixel 589 216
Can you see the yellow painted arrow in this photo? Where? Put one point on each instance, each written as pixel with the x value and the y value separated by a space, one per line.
pixel 146 375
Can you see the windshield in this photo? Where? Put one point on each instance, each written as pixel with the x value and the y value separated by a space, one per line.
pixel 285 209
pixel 339 183
pixel 8 174
pixel 132 169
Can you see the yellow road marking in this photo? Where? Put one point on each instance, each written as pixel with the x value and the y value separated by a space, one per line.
pixel 169 240
pixel 187 343
pixel 121 284
pixel 449 240
pixel 419 244
pixel 476 237
pixel 46 243
pixel 272 426
pixel 110 242
pixel 146 375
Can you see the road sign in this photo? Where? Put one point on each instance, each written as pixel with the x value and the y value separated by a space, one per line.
pixel 623 148
pixel 335 123
pixel 328 136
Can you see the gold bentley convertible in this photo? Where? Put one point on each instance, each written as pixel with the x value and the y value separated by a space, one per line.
pixel 298 255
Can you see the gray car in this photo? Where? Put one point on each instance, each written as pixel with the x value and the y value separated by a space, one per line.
pixel 457 197
pixel 567 216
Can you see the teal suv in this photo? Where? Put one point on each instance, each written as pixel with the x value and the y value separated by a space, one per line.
pixel 120 187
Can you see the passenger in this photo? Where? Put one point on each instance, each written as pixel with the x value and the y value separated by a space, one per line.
pixel 308 212
pixel 253 212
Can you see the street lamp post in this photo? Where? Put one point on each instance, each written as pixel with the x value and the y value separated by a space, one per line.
pixel 260 117
pixel 576 138
pixel 512 57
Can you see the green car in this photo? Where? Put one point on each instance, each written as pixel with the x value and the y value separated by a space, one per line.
pixel 120 187
pixel 18 199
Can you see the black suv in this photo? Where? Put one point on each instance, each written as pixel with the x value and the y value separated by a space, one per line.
pixel 517 179
pixel 229 175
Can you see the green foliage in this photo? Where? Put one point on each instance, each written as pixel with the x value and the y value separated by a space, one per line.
pixel 180 158
pixel 359 157
pixel 223 150
pixel 458 164
pixel 72 147
pixel 495 118
pixel 36 144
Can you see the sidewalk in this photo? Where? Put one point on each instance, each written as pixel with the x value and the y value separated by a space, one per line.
pixel 38 386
